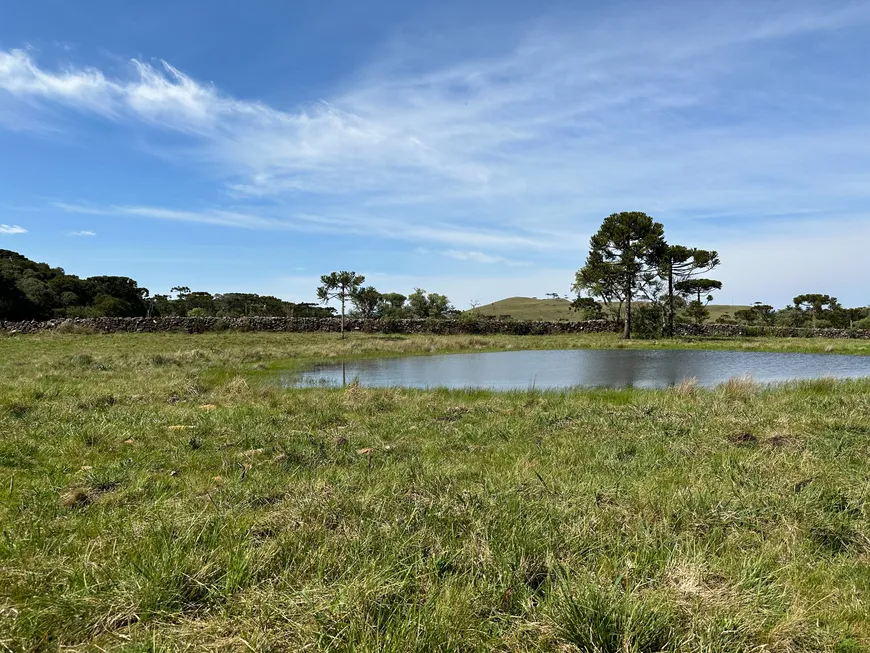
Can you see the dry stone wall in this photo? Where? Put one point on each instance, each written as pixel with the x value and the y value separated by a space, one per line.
pixel 456 326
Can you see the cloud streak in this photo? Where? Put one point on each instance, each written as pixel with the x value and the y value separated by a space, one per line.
pixel 368 224
pixel 645 109
pixel 519 153
pixel 83 233
pixel 12 229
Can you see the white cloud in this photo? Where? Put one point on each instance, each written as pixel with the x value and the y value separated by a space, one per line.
pixel 522 152
pixel 12 229
pixel 575 121
pixel 477 257
pixel 83 233
pixel 367 224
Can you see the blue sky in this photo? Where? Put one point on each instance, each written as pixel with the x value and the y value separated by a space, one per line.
pixel 467 148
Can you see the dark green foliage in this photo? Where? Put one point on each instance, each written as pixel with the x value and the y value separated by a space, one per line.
pixel 423 304
pixel 758 313
pixel 623 255
pixel 367 302
pixel 588 308
pixel 697 308
pixel 697 311
pixel 35 291
pixel 679 264
pixel 815 303
pixel 648 321
pixel 341 286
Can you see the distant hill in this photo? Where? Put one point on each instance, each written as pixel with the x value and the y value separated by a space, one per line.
pixel 532 308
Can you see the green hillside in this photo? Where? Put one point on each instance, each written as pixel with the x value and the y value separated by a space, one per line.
pixel 532 308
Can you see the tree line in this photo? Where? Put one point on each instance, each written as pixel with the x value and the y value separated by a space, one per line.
pixel 810 310
pixel 367 302
pixel 30 290
pixel 36 291
pixel 633 275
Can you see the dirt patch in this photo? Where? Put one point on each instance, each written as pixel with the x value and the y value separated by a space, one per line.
pixel 743 438
pixel 782 441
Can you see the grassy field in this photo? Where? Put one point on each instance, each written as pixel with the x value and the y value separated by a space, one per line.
pixel 532 308
pixel 160 494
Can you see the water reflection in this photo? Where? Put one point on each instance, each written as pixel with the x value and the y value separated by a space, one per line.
pixel 611 368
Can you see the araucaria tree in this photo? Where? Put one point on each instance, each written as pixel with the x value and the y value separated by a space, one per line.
pixel 341 286
pixel 678 265
pixel 815 303
pixel 697 309
pixel 624 252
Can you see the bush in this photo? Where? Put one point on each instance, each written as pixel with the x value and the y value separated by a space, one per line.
pixel 646 321
pixel 862 324
pixel 697 311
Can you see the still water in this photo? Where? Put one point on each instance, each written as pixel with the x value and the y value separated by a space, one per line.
pixel 601 368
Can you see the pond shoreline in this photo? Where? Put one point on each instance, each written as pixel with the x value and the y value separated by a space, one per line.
pixel 572 369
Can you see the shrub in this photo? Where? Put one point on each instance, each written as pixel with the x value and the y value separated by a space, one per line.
pixel 646 321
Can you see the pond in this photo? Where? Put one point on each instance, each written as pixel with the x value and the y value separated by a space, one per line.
pixel 588 368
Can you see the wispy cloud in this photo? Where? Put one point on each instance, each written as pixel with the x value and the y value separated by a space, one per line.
pixel 367 224
pixel 572 121
pixel 12 229
pixel 83 233
pixel 477 257
pixel 522 152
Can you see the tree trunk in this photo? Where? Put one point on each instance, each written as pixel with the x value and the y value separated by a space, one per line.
pixel 342 318
pixel 626 331
pixel 671 299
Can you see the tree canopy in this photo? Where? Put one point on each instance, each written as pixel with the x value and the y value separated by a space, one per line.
pixel 815 304
pixel 341 286
pixel 678 265
pixel 35 291
pixel 623 255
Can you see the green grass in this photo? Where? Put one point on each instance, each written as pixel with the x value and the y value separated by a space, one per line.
pixel 532 308
pixel 158 493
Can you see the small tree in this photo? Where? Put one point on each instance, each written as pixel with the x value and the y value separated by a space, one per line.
pixel 679 264
pixel 394 304
pixel 697 309
pixel 746 316
pixel 431 304
pixel 599 279
pixel 588 308
pixel 627 247
pixel 341 286
pixel 815 303
pixel 367 301
pixel 758 313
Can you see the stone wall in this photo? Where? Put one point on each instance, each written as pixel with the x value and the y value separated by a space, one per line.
pixel 303 324
pixel 458 326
